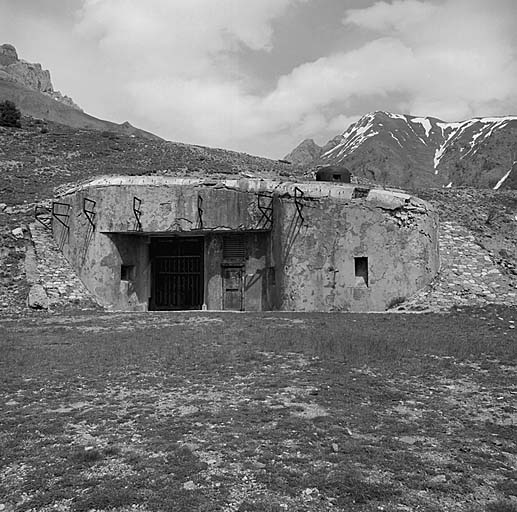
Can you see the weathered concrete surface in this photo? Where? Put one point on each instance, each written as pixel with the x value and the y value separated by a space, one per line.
pixel 317 261
pixel 302 260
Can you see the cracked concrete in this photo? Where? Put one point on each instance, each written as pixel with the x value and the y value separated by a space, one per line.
pixel 304 260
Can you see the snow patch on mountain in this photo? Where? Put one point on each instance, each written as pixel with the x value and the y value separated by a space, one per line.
pixel 424 122
pixel 353 138
pixel 397 141
pixel 505 177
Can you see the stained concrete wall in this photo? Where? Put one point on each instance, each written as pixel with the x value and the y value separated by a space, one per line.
pixel 303 261
pixel 316 258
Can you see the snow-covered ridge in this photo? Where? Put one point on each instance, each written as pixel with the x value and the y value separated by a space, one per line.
pixel 432 133
pixel 478 135
pixel 424 122
pixel 353 137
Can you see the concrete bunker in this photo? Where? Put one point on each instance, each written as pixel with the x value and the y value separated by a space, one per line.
pixel 161 243
pixel 336 173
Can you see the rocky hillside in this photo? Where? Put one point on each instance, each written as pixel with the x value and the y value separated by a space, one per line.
pixel 30 87
pixel 410 152
pixel 42 155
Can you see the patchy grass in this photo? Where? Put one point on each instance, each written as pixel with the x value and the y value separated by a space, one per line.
pixel 259 412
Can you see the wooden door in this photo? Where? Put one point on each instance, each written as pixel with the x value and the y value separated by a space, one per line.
pixel 233 288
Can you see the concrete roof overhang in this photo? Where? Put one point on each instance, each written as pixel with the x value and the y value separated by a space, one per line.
pixel 382 197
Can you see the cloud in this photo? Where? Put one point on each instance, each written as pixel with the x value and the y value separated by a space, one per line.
pixel 453 59
pixel 396 17
pixel 172 66
pixel 176 64
pixel 178 38
pixel 464 61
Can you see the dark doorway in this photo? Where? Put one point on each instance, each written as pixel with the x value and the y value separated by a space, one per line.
pixel 177 273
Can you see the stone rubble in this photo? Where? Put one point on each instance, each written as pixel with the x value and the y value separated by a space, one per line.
pixel 38 298
pixel 58 280
pixel 468 276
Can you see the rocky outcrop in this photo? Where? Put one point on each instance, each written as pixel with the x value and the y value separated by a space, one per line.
pixel 32 76
pixel 8 55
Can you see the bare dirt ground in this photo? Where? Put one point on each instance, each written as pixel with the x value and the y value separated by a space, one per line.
pixel 259 412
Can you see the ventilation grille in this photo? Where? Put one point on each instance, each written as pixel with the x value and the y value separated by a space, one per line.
pixel 360 193
pixel 234 247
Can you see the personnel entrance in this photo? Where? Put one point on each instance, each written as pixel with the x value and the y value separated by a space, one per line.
pixel 177 277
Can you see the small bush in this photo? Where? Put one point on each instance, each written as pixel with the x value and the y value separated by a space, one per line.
pixel 9 114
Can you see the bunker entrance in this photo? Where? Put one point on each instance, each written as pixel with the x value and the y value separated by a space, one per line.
pixel 177 279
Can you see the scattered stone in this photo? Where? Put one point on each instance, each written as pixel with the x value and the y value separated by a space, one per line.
pixel 335 447
pixel 17 233
pixel 438 479
pixel 37 298
pixel 11 402
pixel 189 486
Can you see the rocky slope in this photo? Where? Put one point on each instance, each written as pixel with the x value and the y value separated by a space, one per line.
pixel 407 151
pixel 42 155
pixel 30 88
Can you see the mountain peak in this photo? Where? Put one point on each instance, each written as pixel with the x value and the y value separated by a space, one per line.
pixel 306 150
pixel 420 151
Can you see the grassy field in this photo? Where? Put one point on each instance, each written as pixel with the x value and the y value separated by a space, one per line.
pixel 259 412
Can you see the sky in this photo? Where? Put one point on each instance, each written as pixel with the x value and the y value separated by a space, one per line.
pixel 260 76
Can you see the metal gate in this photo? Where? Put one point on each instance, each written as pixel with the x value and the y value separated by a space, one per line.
pixel 177 273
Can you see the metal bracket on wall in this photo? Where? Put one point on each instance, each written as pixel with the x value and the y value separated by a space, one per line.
pixel 137 203
pixel 88 210
pixel 266 210
pixel 62 218
pixel 199 212
pixel 298 197
pixel 44 216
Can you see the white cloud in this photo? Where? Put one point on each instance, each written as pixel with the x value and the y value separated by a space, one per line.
pixel 169 66
pixel 453 60
pixel 178 38
pixel 395 17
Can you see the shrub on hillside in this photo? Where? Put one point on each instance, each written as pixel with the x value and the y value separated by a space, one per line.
pixel 9 114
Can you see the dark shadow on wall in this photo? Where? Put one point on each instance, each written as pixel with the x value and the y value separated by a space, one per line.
pixel 257 276
pixel 87 241
pixel 293 231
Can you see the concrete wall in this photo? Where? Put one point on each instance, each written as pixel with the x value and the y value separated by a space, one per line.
pixel 315 259
pixel 303 261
